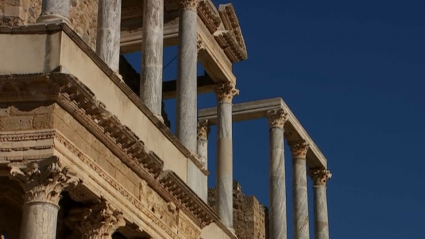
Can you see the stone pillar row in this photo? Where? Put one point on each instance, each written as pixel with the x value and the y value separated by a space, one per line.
pixel 43 182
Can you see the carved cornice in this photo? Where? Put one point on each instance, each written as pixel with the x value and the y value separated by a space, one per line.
pixel 188 4
pixel 225 92
pixel 320 176
pixel 231 39
pixel 96 222
pixel 277 118
pixel 187 197
pixel 299 149
pixel 203 130
pixel 209 15
pixel 41 182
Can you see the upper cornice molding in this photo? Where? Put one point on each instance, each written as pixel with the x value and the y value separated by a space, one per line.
pixel 231 39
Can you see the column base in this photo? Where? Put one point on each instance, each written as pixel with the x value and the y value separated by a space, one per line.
pixel 53 18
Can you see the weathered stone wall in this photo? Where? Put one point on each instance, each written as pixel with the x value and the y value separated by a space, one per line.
pixel 249 216
pixel 83 16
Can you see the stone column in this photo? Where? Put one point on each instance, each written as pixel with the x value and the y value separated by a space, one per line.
pixel 225 93
pixel 321 223
pixel 299 189
pixel 99 221
pixel 277 212
pixel 43 183
pixel 55 10
pixel 203 130
pixel 186 110
pixel 152 54
pixel 109 32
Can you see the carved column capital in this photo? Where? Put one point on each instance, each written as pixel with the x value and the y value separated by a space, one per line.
pixel 225 92
pixel 320 176
pixel 299 149
pixel 200 44
pixel 203 129
pixel 42 181
pixel 188 5
pixel 277 118
pixel 97 222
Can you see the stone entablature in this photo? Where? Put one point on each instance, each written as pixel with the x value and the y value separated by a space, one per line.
pixel 91 70
pixel 73 97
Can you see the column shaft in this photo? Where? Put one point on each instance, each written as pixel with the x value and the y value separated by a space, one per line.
pixel 152 55
pixel 321 225
pixel 299 191
pixel 277 212
pixel 54 10
pixel 203 130
pixel 225 164
pixel 109 32
pixel 39 220
pixel 186 109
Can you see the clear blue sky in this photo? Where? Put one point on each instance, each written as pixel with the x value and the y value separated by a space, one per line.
pixel 353 72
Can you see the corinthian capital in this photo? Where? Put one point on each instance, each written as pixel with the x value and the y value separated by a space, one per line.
pixel 203 129
pixel 299 148
pixel 188 4
pixel 320 176
pixel 97 222
pixel 277 118
pixel 225 92
pixel 43 181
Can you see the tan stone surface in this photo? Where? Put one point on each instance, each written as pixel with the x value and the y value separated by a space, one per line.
pixel 249 217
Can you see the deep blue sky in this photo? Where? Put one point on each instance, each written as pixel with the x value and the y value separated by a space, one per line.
pixel 353 72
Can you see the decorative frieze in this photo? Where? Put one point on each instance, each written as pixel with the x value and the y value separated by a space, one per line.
pixel 320 176
pixel 209 15
pixel 299 149
pixel 43 182
pixel 277 118
pixel 225 92
pixel 231 39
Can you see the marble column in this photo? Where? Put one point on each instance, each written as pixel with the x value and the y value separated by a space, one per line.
pixel 152 54
pixel 321 223
pixel 225 93
pixel 43 183
pixel 99 221
pixel 55 10
pixel 203 130
pixel 277 211
pixel 109 32
pixel 187 94
pixel 299 189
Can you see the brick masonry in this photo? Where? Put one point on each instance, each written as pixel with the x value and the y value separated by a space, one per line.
pixel 249 215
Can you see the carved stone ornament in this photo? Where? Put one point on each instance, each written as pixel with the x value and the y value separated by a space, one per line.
pixel 225 92
pixel 97 222
pixel 320 176
pixel 299 149
pixel 200 44
pixel 277 118
pixel 203 130
pixel 43 182
pixel 188 4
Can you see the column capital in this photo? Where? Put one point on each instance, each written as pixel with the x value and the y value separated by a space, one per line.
pixel 320 176
pixel 43 181
pixel 299 148
pixel 98 221
pixel 277 118
pixel 188 4
pixel 225 92
pixel 203 129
